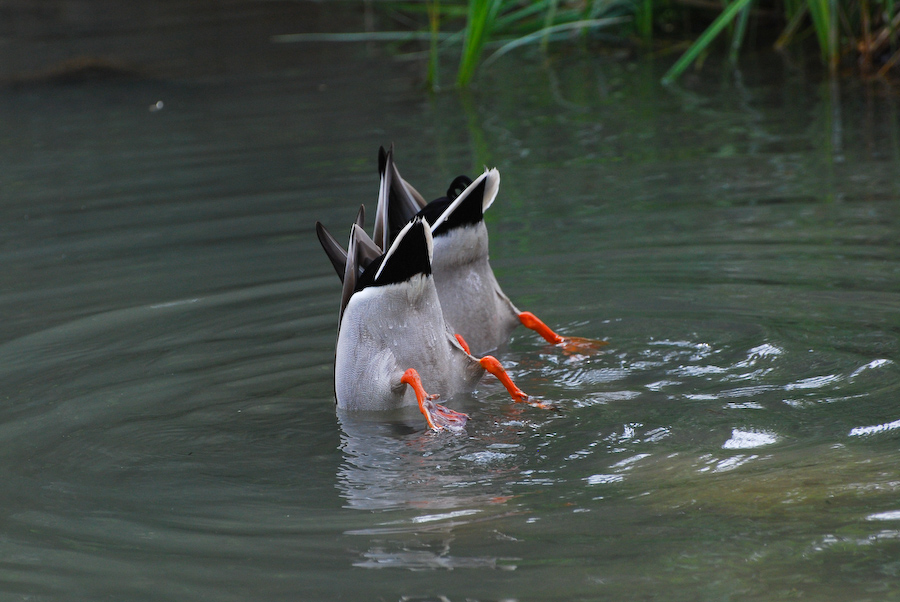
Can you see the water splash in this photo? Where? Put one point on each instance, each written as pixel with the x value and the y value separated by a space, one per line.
pixel 749 439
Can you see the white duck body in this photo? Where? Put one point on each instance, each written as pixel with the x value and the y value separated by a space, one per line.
pixel 473 303
pixel 388 329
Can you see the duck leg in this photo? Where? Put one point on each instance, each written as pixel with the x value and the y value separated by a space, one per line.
pixel 490 363
pixel 463 343
pixel 493 366
pixel 437 416
pixel 568 344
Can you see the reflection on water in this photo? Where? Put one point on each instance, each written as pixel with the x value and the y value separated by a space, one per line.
pixel 432 487
pixel 167 427
pixel 381 461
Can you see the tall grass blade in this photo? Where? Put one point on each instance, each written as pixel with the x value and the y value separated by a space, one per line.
pixel 548 22
pixel 737 37
pixel 362 36
pixel 434 25
pixel 537 35
pixel 705 39
pixel 644 20
pixel 482 14
pixel 515 16
pixel 791 28
pixel 824 23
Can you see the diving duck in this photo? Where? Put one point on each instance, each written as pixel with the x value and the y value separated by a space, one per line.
pixel 392 338
pixel 473 303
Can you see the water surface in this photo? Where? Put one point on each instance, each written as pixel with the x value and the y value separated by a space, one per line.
pixel 167 424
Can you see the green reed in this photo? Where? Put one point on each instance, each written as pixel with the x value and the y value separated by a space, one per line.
pixel 868 28
pixel 841 27
pixel 862 29
pixel 709 34
pixel 513 23
pixel 479 23
pixel 434 28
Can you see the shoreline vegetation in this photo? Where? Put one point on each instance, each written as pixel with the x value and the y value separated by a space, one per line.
pixel 856 36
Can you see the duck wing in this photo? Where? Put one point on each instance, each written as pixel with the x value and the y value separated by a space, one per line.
pixel 466 207
pixel 362 252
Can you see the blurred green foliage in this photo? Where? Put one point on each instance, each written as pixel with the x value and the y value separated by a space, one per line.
pixel 865 30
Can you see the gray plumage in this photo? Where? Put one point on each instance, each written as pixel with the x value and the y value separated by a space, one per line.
pixel 473 303
pixel 388 328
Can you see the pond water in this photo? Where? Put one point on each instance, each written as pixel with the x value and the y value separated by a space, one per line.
pixel 167 427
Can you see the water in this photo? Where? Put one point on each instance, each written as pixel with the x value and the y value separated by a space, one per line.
pixel 167 428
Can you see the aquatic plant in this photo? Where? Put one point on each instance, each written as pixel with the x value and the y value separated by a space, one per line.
pixel 863 29
pixel 510 24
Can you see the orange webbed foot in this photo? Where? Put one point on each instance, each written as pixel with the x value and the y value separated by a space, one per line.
pixel 542 405
pixel 581 345
pixel 441 417
pixel 570 345
pixel 437 416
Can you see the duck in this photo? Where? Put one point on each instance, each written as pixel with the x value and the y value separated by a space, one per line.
pixel 392 338
pixel 474 304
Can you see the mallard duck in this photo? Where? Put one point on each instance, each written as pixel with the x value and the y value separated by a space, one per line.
pixel 392 338
pixel 473 303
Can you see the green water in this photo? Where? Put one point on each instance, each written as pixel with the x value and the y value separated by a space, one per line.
pixel 167 429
